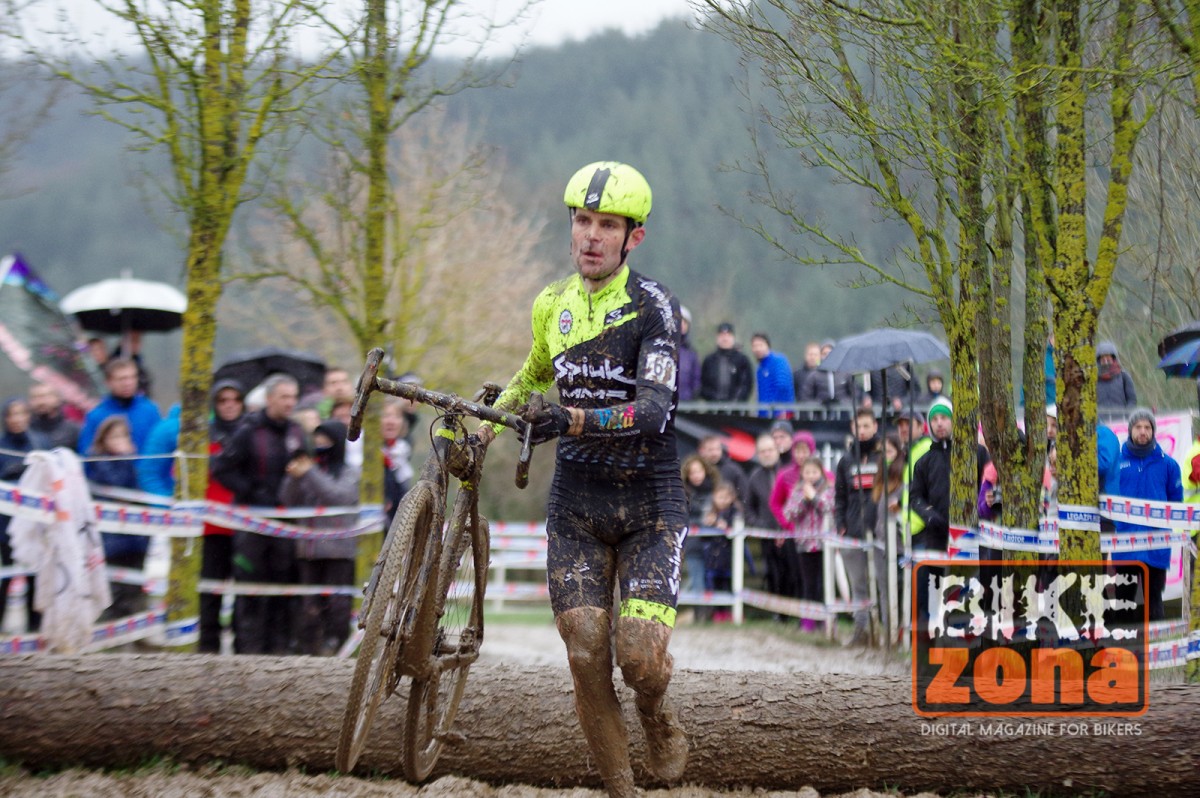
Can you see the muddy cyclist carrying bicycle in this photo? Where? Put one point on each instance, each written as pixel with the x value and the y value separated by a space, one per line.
pixel 608 338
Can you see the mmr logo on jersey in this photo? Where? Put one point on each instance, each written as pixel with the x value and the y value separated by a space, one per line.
pixel 565 322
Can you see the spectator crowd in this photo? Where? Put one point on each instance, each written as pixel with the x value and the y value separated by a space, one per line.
pixel 272 447
pixel 904 478
pixel 269 447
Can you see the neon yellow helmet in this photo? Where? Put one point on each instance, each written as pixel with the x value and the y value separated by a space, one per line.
pixel 610 187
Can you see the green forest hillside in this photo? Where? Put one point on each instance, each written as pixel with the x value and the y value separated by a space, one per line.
pixel 80 205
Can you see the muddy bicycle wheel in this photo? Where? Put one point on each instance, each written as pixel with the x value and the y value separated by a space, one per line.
pixel 458 604
pixel 390 614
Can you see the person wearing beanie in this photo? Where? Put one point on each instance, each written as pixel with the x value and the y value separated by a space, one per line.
pixel 216 554
pixel 782 431
pixel 1148 473
pixel 726 375
pixel 935 387
pixel 1114 386
pixel 929 495
pixel 929 492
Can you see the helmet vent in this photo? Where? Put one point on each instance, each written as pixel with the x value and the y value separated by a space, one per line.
pixel 595 189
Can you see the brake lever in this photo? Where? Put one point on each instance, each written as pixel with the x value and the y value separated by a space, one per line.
pixel 525 457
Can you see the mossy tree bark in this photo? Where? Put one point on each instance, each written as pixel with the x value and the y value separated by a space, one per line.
pixel 772 731
pixel 215 80
pixel 957 144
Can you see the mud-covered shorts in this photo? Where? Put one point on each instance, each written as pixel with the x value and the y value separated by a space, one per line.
pixel 601 530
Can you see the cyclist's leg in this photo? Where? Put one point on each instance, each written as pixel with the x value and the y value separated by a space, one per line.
pixel 585 630
pixel 648 569
pixel 581 569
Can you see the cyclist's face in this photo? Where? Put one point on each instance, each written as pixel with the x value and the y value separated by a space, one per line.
pixel 596 242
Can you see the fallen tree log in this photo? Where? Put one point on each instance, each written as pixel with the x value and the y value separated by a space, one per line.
pixel 753 729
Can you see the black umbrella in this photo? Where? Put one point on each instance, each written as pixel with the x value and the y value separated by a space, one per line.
pixel 124 304
pixel 879 350
pixel 252 367
pixel 876 350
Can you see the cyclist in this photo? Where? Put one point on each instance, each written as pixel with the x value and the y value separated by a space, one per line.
pixel 608 338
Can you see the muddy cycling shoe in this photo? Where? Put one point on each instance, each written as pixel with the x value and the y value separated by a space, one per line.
pixel 666 744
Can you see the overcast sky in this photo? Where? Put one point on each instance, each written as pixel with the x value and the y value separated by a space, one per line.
pixel 551 22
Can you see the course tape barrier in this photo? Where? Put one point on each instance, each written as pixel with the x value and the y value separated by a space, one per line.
pixel 186 519
pixel 523 544
pixel 1183 520
pixel 218 587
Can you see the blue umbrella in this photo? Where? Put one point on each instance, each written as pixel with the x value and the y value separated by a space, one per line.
pixel 1178 337
pixel 1183 360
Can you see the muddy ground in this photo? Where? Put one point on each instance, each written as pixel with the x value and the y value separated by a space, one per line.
pixel 719 647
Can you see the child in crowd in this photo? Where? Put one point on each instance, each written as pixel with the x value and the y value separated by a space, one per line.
pixel 113 439
pixel 724 512
pixel 809 508
pixel 699 480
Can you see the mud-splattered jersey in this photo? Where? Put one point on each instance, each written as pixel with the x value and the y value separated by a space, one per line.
pixel 615 354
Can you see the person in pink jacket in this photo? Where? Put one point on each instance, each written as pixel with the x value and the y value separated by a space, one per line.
pixel 804 446
pixel 809 511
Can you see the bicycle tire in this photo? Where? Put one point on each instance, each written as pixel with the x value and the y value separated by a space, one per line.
pixel 386 615
pixel 457 623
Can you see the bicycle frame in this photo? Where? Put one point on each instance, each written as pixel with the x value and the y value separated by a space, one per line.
pixel 422 635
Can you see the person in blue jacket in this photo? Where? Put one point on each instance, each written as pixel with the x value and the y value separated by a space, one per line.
pixel 155 473
pixel 1146 472
pixel 1108 462
pixel 123 399
pixel 774 375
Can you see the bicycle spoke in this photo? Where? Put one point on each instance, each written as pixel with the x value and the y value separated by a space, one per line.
pixel 433 701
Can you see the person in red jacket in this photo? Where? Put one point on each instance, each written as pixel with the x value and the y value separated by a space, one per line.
pixel 216 558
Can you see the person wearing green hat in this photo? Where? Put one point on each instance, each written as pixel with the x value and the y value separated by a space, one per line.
pixel 929 493
pixel 608 338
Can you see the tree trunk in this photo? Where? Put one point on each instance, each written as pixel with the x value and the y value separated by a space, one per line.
pixel 764 730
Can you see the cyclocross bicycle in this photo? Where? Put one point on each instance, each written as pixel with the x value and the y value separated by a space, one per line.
pixel 422 610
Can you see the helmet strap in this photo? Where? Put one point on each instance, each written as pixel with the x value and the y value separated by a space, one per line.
pixel 630 226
